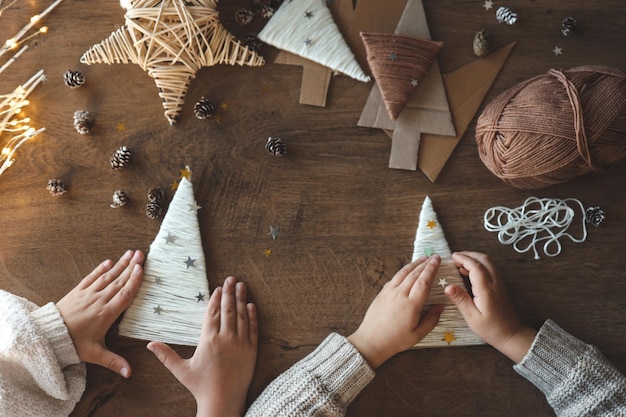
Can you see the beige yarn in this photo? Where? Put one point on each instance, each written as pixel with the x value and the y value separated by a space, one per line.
pixel 172 40
pixel 554 127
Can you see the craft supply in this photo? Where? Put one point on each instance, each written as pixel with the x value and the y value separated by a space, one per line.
pixel 120 158
pixel 82 121
pixel 172 299
pixel 398 63
pixel 537 220
pixel 429 236
pixel 73 79
pixel 119 198
pixel 172 40
pixel 480 44
pixel 506 15
pixel 276 146
pixel 56 186
pixel 155 194
pixel 307 28
pixel 244 16
pixel 252 42
pixel 555 127
pixel 203 109
pixel 594 216
pixel 274 232
pixel 568 25
pixel 266 11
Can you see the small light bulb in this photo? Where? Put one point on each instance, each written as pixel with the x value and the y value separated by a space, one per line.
pixel 43 30
pixel 6 151
pixel 34 19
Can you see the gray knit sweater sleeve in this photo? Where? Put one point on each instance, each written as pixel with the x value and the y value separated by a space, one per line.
pixel 322 384
pixel 575 378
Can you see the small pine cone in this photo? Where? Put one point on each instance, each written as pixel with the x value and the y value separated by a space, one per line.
pixel 203 109
pixel 481 43
pixel 56 186
pixel 120 158
pixel 244 16
pixel 252 42
pixel 506 15
pixel 153 210
pixel 594 216
pixel 82 121
pixel 155 194
pixel 119 199
pixel 266 11
pixel 276 147
pixel 568 25
pixel 74 79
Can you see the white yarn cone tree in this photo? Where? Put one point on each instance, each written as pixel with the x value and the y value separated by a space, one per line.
pixel 172 299
pixel 306 28
pixel 430 240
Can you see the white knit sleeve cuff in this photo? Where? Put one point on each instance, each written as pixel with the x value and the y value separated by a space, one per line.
pixel 52 328
pixel 340 365
pixel 551 358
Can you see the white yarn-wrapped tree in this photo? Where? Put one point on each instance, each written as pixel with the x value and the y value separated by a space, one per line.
pixel 172 299
pixel 430 240
pixel 306 28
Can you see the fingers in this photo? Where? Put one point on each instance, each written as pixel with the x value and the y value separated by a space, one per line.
pixel 211 324
pixel 117 282
pixel 96 273
pixel 253 329
pixel 166 356
pixel 228 307
pixel 400 276
pixel 474 261
pixel 104 279
pixel 429 321
pixel 112 361
pixel 241 296
pixel 420 289
pixel 122 299
pixel 463 302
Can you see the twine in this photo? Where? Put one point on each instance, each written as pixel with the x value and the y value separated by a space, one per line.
pixel 555 127
pixel 537 220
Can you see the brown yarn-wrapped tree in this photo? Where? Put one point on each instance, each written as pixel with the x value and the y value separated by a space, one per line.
pixel 398 63
pixel 555 127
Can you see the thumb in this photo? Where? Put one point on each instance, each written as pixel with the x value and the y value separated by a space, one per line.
pixel 462 300
pixel 170 359
pixel 112 361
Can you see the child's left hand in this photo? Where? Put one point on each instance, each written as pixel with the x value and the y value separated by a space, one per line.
pixel 91 308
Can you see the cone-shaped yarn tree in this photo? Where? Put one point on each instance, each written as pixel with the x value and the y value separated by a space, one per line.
pixel 172 299
pixel 398 63
pixel 306 28
pixel 430 240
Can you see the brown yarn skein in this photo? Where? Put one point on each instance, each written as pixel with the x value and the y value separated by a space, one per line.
pixel 555 127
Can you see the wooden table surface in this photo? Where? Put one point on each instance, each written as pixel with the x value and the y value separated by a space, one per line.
pixel 347 221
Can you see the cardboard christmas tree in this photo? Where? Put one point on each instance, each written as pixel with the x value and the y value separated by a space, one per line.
pixel 306 28
pixel 172 299
pixel 430 240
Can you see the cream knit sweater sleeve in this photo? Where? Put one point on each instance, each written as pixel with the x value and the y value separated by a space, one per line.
pixel 322 384
pixel 40 372
pixel 575 378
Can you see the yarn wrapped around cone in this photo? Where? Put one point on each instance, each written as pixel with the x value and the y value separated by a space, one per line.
pixel 555 127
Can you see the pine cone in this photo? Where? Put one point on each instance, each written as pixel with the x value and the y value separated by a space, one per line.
pixel 203 109
pixel 56 186
pixel 74 79
pixel 252 42
pixel 82 121
pixel 276 147
pixel 120 158
pixel 594 216
pixel 119 199
pixel 155 194
pixel 266 11
pixel 568 25
pixel 481 43
pixel 153 210
pixel 244 16
pixel 506 15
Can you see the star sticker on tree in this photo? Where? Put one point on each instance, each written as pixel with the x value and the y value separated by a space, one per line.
pixel 414 82
pixel 393 56
pixel 308 15
pixel 428 251
pixel 431 224
pixel 158 310
pixel 200 297
pixel 448 337
pixel 190 262
pixel 443 282
pixel 185 173
pixel 194 207
pixel 172 40
pixel 170 238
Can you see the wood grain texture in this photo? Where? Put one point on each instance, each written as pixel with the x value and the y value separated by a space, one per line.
pixel 347 221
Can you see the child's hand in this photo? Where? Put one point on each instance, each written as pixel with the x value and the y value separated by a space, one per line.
pixel 90 309
pixel 393 322
pixel 489 314
pixel 220 371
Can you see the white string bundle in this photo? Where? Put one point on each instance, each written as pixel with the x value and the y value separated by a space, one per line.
pixel 306 28
pixel 537 220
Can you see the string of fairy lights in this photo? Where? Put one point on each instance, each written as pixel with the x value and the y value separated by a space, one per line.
pixel 12 119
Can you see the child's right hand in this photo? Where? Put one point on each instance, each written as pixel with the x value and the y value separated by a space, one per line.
pixel 489 314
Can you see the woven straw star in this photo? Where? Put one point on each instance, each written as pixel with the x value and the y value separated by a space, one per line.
pixel 171 40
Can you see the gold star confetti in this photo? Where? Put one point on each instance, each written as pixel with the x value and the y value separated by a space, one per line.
pixel 175 186
pixel 121 127
pixel 224 106
pixel 267 253
pixel 431 224
pixel 185 173
pixel 217 118
pixel 172 40
pixel 448 337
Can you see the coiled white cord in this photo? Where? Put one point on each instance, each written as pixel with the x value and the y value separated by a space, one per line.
pixel 537 220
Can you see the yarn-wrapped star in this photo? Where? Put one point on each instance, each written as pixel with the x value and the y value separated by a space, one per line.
pixel 171 40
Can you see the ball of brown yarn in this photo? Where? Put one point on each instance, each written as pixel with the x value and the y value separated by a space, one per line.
pixel 555 127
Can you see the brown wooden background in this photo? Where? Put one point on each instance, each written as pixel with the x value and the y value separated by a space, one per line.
pixel 347 221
